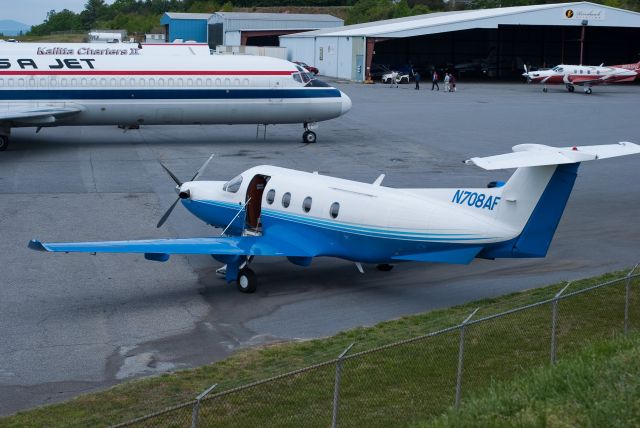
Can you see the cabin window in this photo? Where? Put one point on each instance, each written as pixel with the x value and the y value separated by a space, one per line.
pixel 142 82
pixel 170 82
pixel 10 81
pixel 114 82
pixel 236 82
pixel 245 82
pixel 43 82
pixel 1 82
pixel 180 82
pixel 306 204
pixel 152 82
pixel 227 82
pixel 588 71
pixel 271 196
pixel 189 82
pixel 286 200
pixel 199 81
pixel 334 210
pixel 581 71
pixel 20 82
pixel 209 81
pixel 233 185
pixel 218 82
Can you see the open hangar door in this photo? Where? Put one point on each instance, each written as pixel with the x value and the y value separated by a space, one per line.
pixel 501 53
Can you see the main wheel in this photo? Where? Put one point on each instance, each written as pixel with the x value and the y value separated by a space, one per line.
pixel 247 281
pixel 544 89
pixel 309 137
pixel 4 143
pixel 571 88
pixel 384 267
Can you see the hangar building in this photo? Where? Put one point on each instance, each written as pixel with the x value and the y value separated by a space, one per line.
pixel 241 28
pixel 486 42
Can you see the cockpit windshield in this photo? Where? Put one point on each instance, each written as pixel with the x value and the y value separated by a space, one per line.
pixel 233 185
pixel 558 69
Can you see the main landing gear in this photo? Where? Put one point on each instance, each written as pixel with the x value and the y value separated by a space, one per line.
pixel 247 281
pixel 308 136
pixel 571 88
pixel 4 138
pixel 4 142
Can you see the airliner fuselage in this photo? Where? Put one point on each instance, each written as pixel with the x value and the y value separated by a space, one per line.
pixel 150 90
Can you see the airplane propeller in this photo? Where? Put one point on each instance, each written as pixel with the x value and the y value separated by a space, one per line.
pixel 182 194
pixel 526 73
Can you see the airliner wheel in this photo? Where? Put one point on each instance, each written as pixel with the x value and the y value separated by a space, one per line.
pixel 384 267
pixel 4 143
pixel 247 280
pixel 309 137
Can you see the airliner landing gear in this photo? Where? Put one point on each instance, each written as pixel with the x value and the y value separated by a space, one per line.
pixel 571 88
pixel 384 267
pixel 308 136
pixel 4 138
pixel 545 89
pixel 247 280
pixel 587 90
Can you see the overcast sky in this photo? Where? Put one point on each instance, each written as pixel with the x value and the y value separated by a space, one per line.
pixel 32 12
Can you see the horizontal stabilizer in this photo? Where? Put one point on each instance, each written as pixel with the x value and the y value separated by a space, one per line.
pixel 462 255
pixel 538 155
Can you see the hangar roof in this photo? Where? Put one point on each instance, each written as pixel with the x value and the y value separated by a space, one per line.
pixel 179 15
pixel 278 16
pixel 566 14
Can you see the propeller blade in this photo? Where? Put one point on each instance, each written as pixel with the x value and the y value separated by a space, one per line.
pixel 167 214
pixel 176 179
pixel 204 165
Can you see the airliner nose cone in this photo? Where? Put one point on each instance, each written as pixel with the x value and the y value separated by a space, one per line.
pixel 346 102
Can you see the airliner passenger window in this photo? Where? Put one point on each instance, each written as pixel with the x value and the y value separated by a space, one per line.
pixel 199 82
pixel 189 82
pixel 209 82
pixel 306 204
pixel 286 200
pixel 152 82
pixel 114 82
pixel 1 82
pixel 170 82
pixel 94 82
pixel 335 209
pixel 20 82
pixel 236 82
pixel 233 185
pixel 245 82
pixel 227 82
pixel 271 196
pixel 218 82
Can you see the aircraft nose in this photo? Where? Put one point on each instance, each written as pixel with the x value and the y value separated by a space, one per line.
pixel 346 102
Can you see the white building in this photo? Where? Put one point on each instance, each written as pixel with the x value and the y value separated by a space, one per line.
pixel 489 42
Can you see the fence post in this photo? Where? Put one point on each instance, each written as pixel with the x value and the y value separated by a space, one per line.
pixel 627 299
pixel 461 357
pixel 196 407
pixel 554 322
pixel 336 388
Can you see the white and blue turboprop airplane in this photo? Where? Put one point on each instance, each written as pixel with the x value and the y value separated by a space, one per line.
pixel 272 211
pixel 54 90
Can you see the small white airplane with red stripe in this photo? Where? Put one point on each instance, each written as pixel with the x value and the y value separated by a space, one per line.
pixel 61 90
pixel 582 75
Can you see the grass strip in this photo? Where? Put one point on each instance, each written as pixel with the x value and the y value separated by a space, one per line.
pixel 598 387
pixel 396 386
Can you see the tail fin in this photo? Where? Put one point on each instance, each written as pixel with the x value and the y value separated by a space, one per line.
pixel 535 196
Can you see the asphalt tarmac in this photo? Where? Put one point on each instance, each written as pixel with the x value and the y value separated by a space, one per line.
pixel 75 323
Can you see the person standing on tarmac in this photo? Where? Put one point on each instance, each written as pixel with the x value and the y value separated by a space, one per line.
pixel 434 80
pixel 447 87
pixel 416 76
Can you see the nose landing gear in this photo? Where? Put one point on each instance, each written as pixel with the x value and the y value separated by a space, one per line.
pixel 587 91
pixel 308 136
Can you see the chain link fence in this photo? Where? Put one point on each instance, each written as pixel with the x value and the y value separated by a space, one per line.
pixel 408 381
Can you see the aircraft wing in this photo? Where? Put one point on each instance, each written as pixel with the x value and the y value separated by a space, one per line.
pixel 38 115
pixel 160 249
pixel 588 80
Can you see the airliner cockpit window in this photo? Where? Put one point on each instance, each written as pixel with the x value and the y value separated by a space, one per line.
pixel 233 185
pixel 315 83
pixel 296 77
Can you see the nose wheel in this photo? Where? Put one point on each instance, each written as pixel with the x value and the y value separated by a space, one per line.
pixel 587 91
pixel 308 136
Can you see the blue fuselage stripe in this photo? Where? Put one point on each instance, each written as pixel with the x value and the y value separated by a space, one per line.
pixel 165 94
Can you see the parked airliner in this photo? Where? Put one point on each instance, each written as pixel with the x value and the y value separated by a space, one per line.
pixel 581 75
pixel 42 91
pixel 273 211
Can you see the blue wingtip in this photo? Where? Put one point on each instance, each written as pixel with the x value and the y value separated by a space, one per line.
pixel 36 245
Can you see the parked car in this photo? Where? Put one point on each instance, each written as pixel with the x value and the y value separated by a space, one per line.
pixel 400 77
pixel 310 68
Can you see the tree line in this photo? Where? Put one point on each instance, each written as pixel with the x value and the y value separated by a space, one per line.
pixel 142 16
